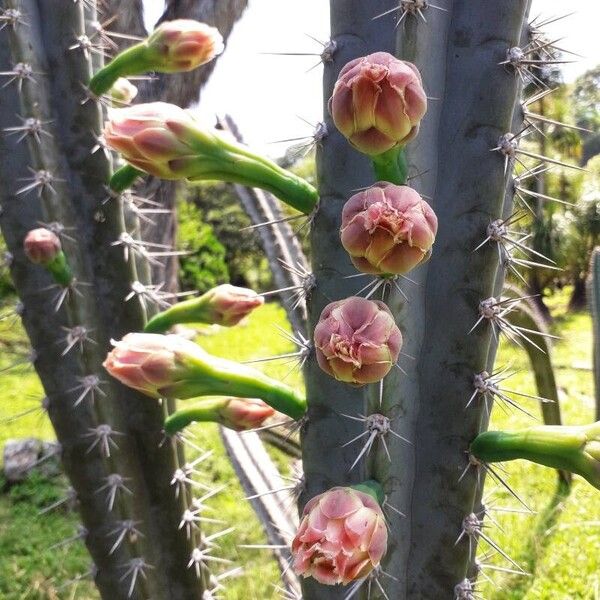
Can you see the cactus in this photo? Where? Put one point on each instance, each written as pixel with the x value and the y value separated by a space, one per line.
pixel 387 443
pixel 56 176
pixel 594 301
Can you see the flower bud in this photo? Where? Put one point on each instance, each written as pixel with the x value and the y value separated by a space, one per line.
pixel 166 141
pixel 378 102
pixel 357 340
pixel 184 45
pixel 152 137
pixel 242 414
pixel 227 304
pixel 41 246
pixel 342 537
pixel 150 363
pixel 123 91
pixel 169 366
pixel 387 229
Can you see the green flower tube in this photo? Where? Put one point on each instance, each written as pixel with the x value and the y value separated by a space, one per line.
pixel 574 449
pixel 165 141
pixel 173 47
pixel 224 305
pixel 169 366
pixel 239 414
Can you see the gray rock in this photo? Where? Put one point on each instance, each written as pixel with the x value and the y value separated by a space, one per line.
pixel 21 456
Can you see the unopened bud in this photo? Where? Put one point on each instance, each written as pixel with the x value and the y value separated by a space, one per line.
pixel 388 229
pixel 41 246
pixel 357 340
pixel 123 91
pixel 378 103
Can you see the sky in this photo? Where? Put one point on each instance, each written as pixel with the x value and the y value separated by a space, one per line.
pixel 275 97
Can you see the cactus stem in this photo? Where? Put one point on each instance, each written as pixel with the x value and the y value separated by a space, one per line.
pixel 30 126
pixel 377 427
pixel 125 529
pixel 151 293
pixel 102 438
pixel 20 72
pixel 41 181
pixel 76 336
pixel 89 385
pixel 85 44
pixel 135 569
pixel 11 17
pixel 487 386
pixel 370 581
pixel 115 484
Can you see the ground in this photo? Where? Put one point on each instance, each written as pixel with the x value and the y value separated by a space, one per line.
pixel 558 545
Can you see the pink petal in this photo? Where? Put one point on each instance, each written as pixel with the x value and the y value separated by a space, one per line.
pixel 339 502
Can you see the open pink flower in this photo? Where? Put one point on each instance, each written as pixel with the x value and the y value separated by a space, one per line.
pixel 184 44
pixel 151 363
pixel 357 340
pixel 242 414
pixel 41 246
pixel 152 136
pixel 387 229
pixel 342 537
pixel 228 304
pixel 378 102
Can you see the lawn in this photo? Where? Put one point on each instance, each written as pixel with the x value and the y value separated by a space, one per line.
pixel 558 545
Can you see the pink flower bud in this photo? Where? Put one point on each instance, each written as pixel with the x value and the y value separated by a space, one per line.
pixel 228 304
pixel 387 229
pixel 150 363
pixel 378 102
pixel 242 414
pixel 184 44
pixel 357 340
pixel 41 246
pixel 151 136
pixel 123 91
pixel 342 537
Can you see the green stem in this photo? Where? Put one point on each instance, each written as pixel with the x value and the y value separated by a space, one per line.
pixel 560 447
pixel 195 310
pixel 372 488
pixel 123 178
pixel 205 411
pixel 391 166
pixel 214 376
pixel 60 270
pixel 132 61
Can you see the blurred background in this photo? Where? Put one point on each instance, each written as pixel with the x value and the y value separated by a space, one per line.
pixel 269 81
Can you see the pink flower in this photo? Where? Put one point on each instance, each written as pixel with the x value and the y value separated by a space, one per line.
pixel 41 246
pixel 342 537
pixel 388 229
pixel 242 414
pixel 151 363
pixel 378 102
pixel 357 340
pixel 227 304
pixel 152 137
pixel 184 44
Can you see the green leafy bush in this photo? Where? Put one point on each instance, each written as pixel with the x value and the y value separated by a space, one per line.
pixel 205 264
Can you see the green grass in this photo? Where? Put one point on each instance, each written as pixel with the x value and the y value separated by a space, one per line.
pixel 558 545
